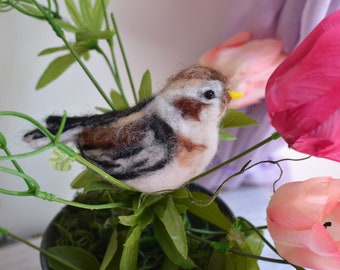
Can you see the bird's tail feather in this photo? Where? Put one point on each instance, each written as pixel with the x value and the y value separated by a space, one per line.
pixel 72 127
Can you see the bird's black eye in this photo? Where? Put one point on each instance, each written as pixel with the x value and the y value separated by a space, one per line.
pixel 209 94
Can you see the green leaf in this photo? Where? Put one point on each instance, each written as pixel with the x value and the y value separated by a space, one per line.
pixel 98 13
pixel 235 118
pixel 32 9
pixel 167 213
pixel 75 257
pixel 180 193
pixel 130 220
pixel 60 161
pixel 56 68
pixel 169 264
pixel 217 260
pixel 130 251
pixel 145 201
pixel 85 178
pixel 245 240
pixel 239 262
pixel 110 250
pixel 118 100
pixel 99 185
pixel 52 50
pixel 86 10
pixel 93 35
pixel 3 141
pixel 226 136
pixel 66 26
pixel 210 213
pixel 167 244
pixel 254 243
pixel 75 14
pixel 145 88
pixel 103 110
pixel 131 246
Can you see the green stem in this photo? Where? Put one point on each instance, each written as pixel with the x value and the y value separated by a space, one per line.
pixel 36 123
pixel 61 127
pixel 49 196
pixel 60 33
pixel 114 69
pixel 274 136
pixel 33 185
pixel 114 73
pixel 90 206
pixel 124 57
pixel 45 252
pixel 257 231
pixel 70 152
pixel 201 231
pixel 27 154
pixel 256 257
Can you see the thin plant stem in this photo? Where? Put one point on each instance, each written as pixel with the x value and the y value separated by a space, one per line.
pixel 257 231
pixel 114 69
pixel 36 123
pixel 70 152
pixel 27 154
pixel 43 251
pixel 31 186
pixel 90 206
pixel 114 73
pixel 256 257
pixel 36 192
pixel 60 33
pixel 124 57
pixel 274 136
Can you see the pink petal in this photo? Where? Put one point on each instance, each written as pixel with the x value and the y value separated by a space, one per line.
pixel 304 221
pixel 313 248
pixel 298 205
pixel 208 59
pixel 247 63
pixel 303 94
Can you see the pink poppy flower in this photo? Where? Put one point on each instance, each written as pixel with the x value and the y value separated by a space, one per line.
pixel 303 219
pixel 303 94
pixel 247 63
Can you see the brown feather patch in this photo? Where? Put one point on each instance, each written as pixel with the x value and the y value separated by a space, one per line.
pixel 112 137
pixel 186 149
pixel 190 108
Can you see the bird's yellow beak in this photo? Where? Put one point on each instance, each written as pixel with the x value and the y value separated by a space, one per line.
pixel 235 95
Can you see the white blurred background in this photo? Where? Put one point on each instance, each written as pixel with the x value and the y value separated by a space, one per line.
pixel 163 36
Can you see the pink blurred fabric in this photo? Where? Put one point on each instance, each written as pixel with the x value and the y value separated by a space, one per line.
pixel 290 21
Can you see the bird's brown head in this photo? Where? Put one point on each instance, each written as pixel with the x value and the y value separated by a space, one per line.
pixel 199 93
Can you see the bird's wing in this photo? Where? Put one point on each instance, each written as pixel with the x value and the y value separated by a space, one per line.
pixel 128 151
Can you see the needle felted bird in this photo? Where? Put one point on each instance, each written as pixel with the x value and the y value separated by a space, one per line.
pixel 160 143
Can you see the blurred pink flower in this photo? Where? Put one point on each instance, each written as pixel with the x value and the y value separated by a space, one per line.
pixel 247 63
pixel 303 94
pixel 303 219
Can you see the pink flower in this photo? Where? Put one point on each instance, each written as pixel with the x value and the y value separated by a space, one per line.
pixel 247 63
pixel 304 221
pixel 303 94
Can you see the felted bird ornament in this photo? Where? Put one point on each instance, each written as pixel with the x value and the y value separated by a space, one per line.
pixel 160 143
